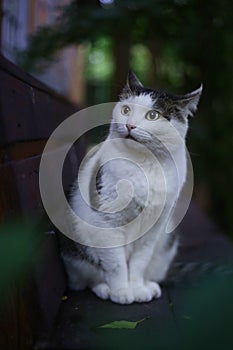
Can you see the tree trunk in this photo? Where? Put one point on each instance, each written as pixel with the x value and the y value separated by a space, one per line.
pixel 155 50
pixel 121 52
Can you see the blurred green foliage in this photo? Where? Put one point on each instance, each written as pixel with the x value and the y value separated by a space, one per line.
pixel 206 317
pixel 100 63
pixel 18 249
pixel 181 43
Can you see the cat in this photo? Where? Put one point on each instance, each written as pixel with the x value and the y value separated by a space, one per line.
pixel 145 147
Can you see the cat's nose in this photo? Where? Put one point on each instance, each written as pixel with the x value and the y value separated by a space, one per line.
pixel 130 127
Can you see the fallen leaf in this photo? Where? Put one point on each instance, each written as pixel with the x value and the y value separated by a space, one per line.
pixel 122 324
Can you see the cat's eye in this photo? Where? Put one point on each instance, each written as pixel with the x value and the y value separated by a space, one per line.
pixel 152 115
pixel 125 110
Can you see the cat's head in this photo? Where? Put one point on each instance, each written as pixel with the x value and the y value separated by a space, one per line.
pixel 146 115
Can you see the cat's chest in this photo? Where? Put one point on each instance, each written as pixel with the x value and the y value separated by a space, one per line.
pixel 144 183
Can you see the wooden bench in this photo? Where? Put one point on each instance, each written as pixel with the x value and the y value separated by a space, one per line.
pixel 29 114
pixel 36 317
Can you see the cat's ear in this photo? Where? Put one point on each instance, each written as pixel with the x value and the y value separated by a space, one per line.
pixel 189 102
pixel 133 82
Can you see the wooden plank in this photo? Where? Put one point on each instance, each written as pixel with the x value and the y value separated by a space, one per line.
pixel 28 113
pixel 21 195
pixel 28 309
pixel 42 296
pixel 9 320
pixel 50 280
pixel 9 204
pixel 16 72
pixel 21 182
pixel 21 150
pixel 82 313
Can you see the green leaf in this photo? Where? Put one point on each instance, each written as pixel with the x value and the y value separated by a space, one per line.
pixel 123 324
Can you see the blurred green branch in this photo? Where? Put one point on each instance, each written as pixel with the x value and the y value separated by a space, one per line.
pixel 86 21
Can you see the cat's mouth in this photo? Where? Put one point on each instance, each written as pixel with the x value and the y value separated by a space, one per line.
pixel 129 137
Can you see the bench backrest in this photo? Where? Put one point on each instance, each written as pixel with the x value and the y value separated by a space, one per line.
pixel 29 112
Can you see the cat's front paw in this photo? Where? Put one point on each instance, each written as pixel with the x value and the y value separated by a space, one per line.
pixel 122 296
pixel 154 288
pixel 145 293
pixel 102 291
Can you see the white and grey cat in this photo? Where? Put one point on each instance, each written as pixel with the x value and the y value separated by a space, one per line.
pixel 133 252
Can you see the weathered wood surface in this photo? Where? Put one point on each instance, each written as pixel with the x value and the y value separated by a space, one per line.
pixel 29 110
pixel 201 246
pixel 29 113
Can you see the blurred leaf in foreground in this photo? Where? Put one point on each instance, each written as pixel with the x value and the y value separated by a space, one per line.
pixel 18 247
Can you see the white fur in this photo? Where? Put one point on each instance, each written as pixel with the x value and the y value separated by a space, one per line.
pixel 129 272
pixel 143 100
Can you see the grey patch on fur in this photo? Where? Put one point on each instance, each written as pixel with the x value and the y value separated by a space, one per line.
pixel 75 250
pixel 99 184
pixel 173 238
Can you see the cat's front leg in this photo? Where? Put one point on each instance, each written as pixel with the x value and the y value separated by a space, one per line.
pixel 143 290
pixel 116 285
